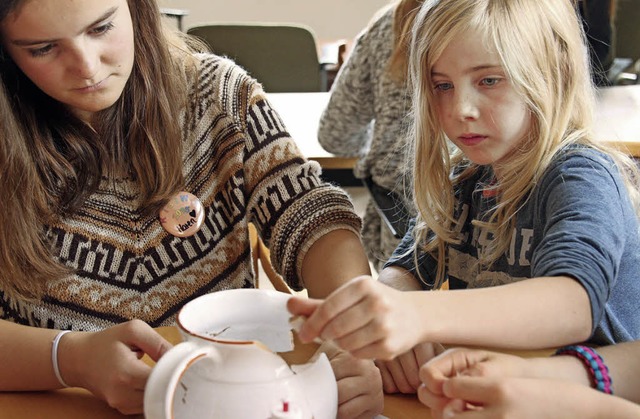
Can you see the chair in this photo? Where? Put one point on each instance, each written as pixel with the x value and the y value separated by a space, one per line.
pixel 260 254
pixel 627 43
pixel 283 57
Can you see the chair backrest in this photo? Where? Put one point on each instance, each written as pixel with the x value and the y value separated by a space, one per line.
pixel 627 29
pixel 283 57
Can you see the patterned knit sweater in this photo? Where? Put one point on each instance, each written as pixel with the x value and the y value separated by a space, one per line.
pixel 240 161
pixel 368 116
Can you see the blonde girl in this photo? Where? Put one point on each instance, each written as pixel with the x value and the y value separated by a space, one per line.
pixel 532 221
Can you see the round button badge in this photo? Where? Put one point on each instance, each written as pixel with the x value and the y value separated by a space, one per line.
pixel 183 215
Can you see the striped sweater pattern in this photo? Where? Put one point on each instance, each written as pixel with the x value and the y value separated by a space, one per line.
pixel 239 160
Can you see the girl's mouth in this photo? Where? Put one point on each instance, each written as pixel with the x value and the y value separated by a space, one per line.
pixel 471 139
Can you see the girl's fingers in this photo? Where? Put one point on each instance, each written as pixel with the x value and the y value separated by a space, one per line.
pixel 138 373
pixel 135 405
pixel 432 401
pixel 388 383
pixel 475 390
pixel 448 364
pixel 425 352
pixel 399 378
pixel 344 298
pixel 350 327
pixel 454 409
pixel 410 368
pixel 150 342
pixel 299 306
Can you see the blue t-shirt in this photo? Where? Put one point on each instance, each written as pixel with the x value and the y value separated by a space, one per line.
pixel 577 222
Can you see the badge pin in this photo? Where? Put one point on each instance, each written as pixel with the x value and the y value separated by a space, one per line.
pixel 183 215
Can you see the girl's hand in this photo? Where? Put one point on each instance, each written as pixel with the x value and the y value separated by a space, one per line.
pixel 360 392
pixel 466 362
pixel 108 363
pixel 526 398
pixel 364 317
pixel 401 374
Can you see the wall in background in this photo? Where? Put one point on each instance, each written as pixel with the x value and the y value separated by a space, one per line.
pixel 330 19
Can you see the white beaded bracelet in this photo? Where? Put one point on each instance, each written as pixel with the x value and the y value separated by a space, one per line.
pixel 54 356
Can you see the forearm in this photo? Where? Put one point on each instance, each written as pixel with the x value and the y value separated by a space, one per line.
pixel 564 367
pixel 560 400
pixel 25 355
pixel 623 361
pixel 399 278
pixel 530 314
pixel 604 406
pixel 332 260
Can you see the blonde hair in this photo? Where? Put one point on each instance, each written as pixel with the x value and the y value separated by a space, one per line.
pixel 543 51
pixel 60 161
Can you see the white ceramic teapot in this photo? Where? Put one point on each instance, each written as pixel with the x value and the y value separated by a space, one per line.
pixel 227 366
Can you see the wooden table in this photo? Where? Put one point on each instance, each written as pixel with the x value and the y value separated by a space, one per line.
pixel 617 121
pixel 78 403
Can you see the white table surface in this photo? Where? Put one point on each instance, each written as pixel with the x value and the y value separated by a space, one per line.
pixel 301 115
pixel 617 120
pixel 617 117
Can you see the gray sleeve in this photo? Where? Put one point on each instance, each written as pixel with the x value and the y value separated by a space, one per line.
pixel 346 122
pixel 404 257
pixel 585 210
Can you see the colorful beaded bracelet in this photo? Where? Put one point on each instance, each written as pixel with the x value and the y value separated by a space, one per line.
pixel 598 371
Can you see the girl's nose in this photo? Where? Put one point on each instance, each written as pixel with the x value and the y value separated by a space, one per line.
pixel 84 60
pixel 465 105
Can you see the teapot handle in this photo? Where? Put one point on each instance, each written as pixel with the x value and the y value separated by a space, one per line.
pixel 164 377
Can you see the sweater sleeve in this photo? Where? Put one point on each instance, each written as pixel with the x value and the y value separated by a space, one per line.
pixel 587 219
pixel 288 202
pixel 405 257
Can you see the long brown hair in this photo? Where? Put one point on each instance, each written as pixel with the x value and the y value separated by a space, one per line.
pixel 403 16
pixel 56 161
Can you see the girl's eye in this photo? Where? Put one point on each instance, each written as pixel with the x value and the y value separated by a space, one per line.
pixel 97 31
pixel 441 87
pixel 490 81
pixel 103 29
pixel 39 52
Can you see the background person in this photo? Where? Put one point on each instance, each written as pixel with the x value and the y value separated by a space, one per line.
pixel 368 116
